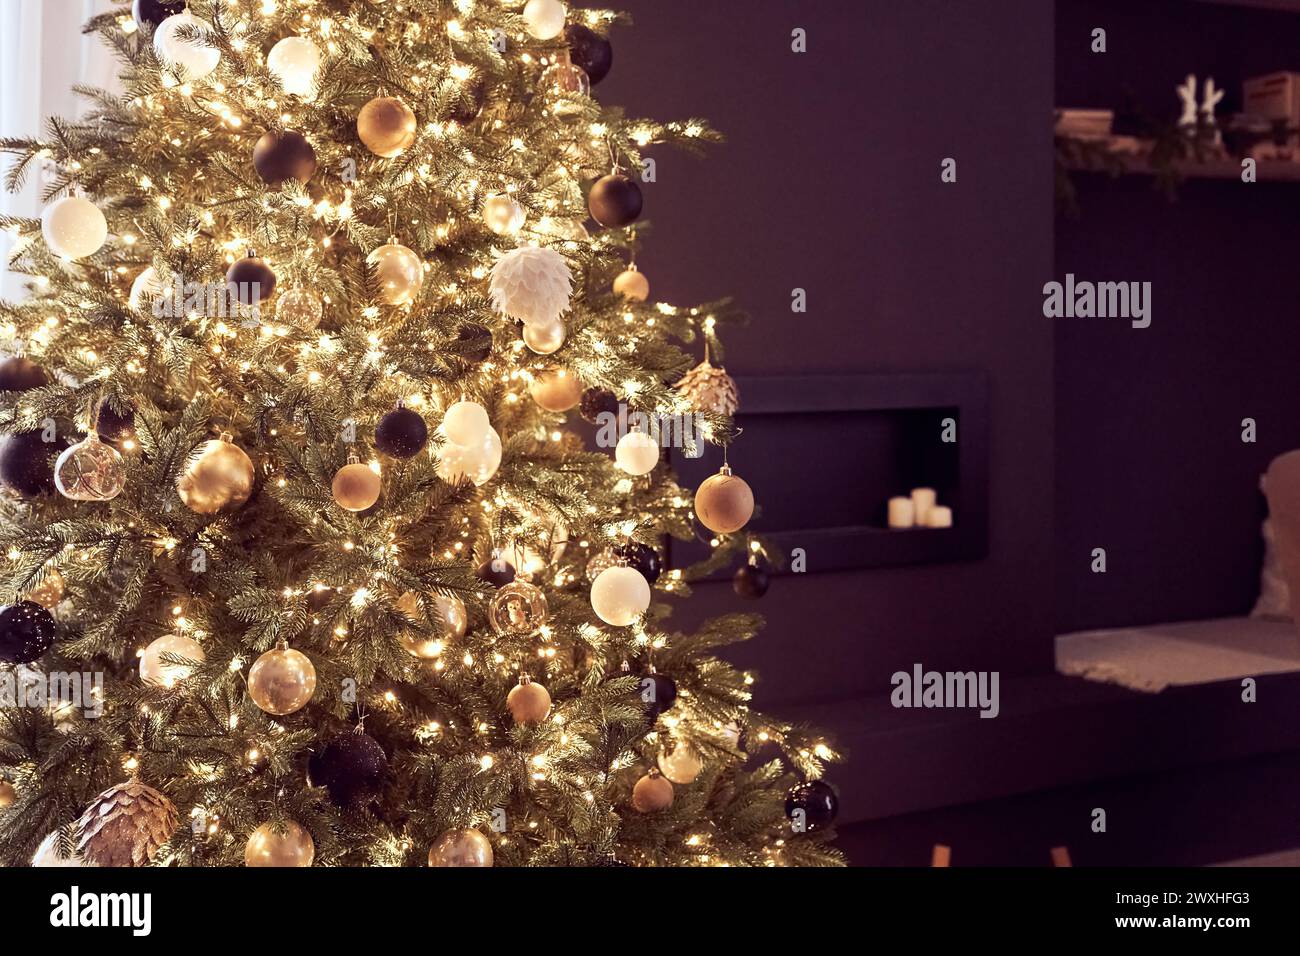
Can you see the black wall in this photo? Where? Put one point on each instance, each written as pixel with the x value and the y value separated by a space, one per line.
pixel 830 181
pixel 1151 465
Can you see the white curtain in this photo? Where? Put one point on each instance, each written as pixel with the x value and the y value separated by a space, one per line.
pixel 42 54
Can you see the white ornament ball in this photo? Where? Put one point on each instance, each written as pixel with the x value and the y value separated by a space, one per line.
pixel 154 670
pixel 146 286
pixel 620 595
pixel 47 855
pixel 294 61
pixel 466 423
pixel 531 284
pixel 544 19
pixel 74 227
pixel 545 339
pixel 477 462
pixel 193 60
pixel 636 453
pixel 503 215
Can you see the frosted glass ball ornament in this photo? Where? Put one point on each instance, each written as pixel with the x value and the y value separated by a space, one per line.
pixel 295 61
pixel 478 463
pixel 545 339
pixel 466 423
pixel 399 272
pixel 282 681
pixel 74 227
pixel 503 215
pixel 90 471
pixel 544 19
pixel 154 670
pixel 532 284
pixel 636 453
pixel 620 595
pixel 192 59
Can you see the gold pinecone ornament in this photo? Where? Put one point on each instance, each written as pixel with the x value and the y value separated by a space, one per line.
pixel 710 389
pixel 125 825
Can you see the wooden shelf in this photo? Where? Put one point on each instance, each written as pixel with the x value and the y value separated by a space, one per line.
pixel 1139 164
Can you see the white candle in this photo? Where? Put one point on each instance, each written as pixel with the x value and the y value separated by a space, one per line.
pixel 901 513
pixel 940 517
pixel 923 499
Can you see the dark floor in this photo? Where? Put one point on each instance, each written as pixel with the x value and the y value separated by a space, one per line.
pixel 1209 814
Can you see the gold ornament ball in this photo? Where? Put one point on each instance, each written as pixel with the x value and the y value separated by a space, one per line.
pixel 281 681
pixel 556 390
pixel 528 702
pixel 465 847
pixel 219 476
pixel 50 591
pixel 282 845
pixel 399 272
pixel 386 125
pixel 544 339
pixel 7 794
pixel 632 285
pixel 154 670
pixel 448 612
pixel 652 793
pixel 724 503
pixel 503 215
pixel 681 765
pixel 356 486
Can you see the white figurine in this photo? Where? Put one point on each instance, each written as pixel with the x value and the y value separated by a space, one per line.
pixel 1187 93
pixel 1212 98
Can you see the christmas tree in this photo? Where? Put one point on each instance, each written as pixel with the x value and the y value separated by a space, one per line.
pixel 305 557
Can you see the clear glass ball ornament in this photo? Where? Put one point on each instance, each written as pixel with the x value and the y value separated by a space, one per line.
pixel 564 83
pixel 90 471
pixel 300 308
pixel 517 608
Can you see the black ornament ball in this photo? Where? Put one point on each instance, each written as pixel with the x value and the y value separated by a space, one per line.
pixel 153 12
pixel 596 402
pixel 27 461
pixel 474 342
pixel 812 806
pixel 750 581
pixel 614 201
pixel 26 632
pixel 658 693
pixel 278 157
pixel 352 767
pixel 470 102
pixel 251 280
pixel 496 571
pixel 18 374
pixel 401 433
pixel 642 557
pixel 113 425
pixel 589 50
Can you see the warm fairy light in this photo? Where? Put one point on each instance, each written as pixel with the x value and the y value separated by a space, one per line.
pixel 486 762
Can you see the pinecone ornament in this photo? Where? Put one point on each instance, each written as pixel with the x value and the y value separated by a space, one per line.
pixel 125 825
pixel 710 389
pixel 531 284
